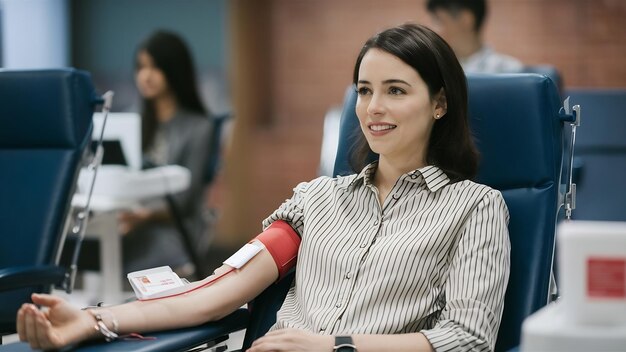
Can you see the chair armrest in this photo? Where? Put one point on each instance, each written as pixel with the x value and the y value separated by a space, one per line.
pixel 24 276
pixel 166 341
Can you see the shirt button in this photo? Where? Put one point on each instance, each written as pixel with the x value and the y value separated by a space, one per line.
pixel 376 223
pixel 348 275
pixel 338 305
pixel 322 329
pixel 363 245
pixel 413 176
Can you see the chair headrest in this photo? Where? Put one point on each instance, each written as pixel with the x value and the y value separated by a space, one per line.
pixel 527 104
pixel 57 105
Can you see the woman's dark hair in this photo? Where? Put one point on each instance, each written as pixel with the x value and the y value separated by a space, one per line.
pixel 450 146
pixel 172 56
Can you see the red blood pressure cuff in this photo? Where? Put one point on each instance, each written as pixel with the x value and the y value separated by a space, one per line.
pixel 282 241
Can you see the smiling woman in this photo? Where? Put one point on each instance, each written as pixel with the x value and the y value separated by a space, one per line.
pixel 427 82
pixel 395 110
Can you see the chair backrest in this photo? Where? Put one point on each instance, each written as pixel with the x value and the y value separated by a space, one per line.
pixel 519 134
pixel 601 151
pixel 548 71
pixel 517 129
pixel 45 125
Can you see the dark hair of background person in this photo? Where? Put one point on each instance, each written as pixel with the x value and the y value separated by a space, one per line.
pixel 450 147
pixel 477 7
pixel 172 56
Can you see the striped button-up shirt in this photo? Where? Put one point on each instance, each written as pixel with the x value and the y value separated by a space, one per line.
pixel 434 258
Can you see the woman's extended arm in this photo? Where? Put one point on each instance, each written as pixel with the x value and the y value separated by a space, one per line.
pixel 62 324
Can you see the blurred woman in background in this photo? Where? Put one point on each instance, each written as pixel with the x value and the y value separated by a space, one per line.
pixel 176 130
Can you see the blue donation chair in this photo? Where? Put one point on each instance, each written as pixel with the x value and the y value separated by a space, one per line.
pixel 45 125
pixel 518 130
pixel 516 122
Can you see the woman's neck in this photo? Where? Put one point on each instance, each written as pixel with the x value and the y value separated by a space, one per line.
pixel 387 173
pixel 165 108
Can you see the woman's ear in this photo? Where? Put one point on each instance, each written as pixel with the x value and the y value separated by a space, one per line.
pixel 440 104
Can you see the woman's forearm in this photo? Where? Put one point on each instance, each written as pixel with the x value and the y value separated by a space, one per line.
pixel 206 304
pixel 415 342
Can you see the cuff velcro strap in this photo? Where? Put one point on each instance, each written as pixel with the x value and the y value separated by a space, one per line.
pixel 282 241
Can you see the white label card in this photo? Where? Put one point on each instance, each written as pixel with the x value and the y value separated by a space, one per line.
pixel 243 255
pixel 149 282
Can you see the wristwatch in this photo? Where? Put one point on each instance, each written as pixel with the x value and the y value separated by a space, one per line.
pixel 344 344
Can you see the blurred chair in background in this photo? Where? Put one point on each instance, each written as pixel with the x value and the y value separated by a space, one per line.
pixel 601 151
pixel 548 71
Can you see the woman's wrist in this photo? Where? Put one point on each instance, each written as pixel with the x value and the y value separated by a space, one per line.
pixel 102 323
pixel 89 323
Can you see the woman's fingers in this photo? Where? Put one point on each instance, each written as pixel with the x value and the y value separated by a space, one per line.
pixel 266 346
pixel 30 317
pixel 43 329
pixel 34 328
pixel 45 300
pixel 269 343
pixel 21 322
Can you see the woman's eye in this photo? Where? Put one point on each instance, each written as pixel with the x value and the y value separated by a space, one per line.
pixel 362 91
pixel 396 91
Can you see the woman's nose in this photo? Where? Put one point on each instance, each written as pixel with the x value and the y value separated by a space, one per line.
pixel 375 106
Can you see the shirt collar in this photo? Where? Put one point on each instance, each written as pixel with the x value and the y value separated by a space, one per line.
pixel 433 176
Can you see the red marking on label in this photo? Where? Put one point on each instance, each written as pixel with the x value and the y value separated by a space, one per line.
pixel 606 277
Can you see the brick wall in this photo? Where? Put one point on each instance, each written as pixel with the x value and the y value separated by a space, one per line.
pixel 312 50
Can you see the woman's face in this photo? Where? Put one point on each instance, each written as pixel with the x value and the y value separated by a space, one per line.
pixel 150 80
pixel 395 110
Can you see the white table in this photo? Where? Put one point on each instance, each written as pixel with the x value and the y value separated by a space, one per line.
pixel 118 188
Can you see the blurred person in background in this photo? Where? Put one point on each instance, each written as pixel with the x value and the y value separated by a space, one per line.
pixel 460 23
pixel 176 130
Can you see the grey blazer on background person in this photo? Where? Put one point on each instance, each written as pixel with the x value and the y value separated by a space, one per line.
pixel 184 141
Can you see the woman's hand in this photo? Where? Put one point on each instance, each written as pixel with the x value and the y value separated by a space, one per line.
pixel 292 340
pixel 129 220
pixel 60 325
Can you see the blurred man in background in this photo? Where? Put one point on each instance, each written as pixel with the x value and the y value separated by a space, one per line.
pixel 460 23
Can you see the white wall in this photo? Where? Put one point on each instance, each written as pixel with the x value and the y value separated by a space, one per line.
pixel 35 33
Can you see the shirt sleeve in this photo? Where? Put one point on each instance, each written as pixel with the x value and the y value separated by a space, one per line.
pixel 292 210
pixel 476 282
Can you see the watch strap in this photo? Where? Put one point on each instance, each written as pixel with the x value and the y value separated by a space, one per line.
pixel 344 344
